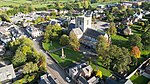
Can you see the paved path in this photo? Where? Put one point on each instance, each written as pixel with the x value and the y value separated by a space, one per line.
pixel 53 68
pixel 57 49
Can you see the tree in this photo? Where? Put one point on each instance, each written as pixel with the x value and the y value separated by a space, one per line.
pixel 25 49
pixel 30 67
pixel 64 40
pixel 51 32
pixel 136 52
pixel 115 58
pixel 146 40
pixel 74 42
pixel 5 17
pixel 121 58
pixel 19 58
pixel 99 73
pixel 112 30
pixel 102 45
pixel 135 40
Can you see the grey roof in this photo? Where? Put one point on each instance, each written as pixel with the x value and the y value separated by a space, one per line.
pixel 7 72
pixel 46 79
pixel 71 26
pixel 93 33
pixel 83 80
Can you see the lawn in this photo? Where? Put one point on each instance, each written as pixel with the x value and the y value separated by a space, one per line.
pixel 71 57
pixel 97 65
pixel 139 79
pixel 55 45
pixel 119 41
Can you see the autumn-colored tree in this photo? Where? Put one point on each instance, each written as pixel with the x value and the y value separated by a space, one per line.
pixel 136 52
pixel 99 73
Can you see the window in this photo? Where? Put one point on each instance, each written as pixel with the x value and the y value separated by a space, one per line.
pixel 87 22
pixel 80 22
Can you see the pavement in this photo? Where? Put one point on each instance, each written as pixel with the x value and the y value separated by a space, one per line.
pixel 57 73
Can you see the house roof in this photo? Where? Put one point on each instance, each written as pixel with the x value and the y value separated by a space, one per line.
pixel 77 31
pixel 46 79
pixel 88 69
pixel 92 80
pixel 7 72
pixel 93 33
pixel 83 80
pixel 71 26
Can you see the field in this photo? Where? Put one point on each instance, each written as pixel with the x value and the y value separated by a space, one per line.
pixel 19 2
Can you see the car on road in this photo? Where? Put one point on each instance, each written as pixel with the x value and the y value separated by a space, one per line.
pixel 68 79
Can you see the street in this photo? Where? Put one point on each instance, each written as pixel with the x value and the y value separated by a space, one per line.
pixel 57 73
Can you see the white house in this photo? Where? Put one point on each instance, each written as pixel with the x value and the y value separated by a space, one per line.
pixel 34 32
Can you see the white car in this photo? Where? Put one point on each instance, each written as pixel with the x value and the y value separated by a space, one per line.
pixel 68 79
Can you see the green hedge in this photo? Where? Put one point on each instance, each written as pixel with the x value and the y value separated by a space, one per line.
pixel 137 27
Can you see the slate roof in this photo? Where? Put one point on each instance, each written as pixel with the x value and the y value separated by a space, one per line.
pixel 46 79
pixel 83 80
pixel 93 33
pixel 71 26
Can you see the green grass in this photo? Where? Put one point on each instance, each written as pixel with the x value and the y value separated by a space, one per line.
pixel 119 41
pixel 55 45
pixel 71 57
pixel 139 79
pixel 104 3
pixel 105 72
pixel 97 65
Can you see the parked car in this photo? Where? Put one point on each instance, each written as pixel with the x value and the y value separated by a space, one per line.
pixel 68 79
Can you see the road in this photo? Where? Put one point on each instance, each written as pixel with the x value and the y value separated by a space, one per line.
pixel 57 73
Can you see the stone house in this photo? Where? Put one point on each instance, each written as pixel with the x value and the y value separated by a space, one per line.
pixel 83 74
pixel 2 50
pixel 34 32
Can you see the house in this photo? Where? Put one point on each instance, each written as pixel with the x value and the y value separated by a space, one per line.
pixel 4 8
pixel 15 32
pixel 46 79
pixel 7 73
pixel 114 79
pixel 83 74
pixel 127 31
pixel 5 38
pixel 145 69
pixel 34 32
pixel 2 50
pixel 86 77
pixel 74 71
